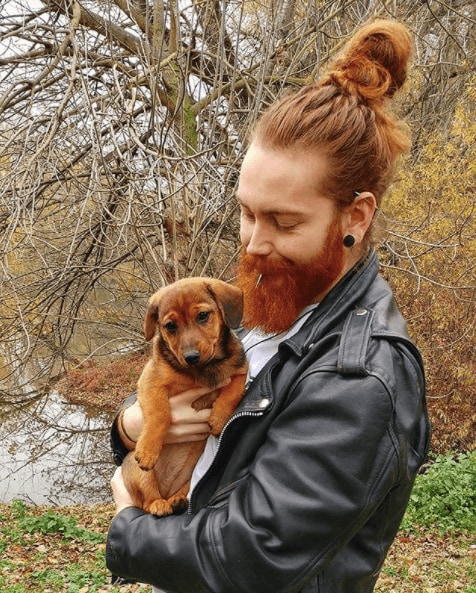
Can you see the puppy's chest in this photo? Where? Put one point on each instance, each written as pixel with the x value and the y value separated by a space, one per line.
pixel 207 375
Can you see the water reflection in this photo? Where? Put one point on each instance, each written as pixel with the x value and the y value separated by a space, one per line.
pixel 54 453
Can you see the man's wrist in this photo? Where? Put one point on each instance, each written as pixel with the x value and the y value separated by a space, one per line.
pixel 121 507
pixel 125 429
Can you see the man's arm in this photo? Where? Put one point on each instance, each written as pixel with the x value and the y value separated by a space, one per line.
pixel 320 474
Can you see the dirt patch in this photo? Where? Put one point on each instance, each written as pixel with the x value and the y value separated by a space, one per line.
pixel 103 386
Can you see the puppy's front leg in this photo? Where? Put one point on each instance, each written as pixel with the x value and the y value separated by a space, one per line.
pixel 150 443
pixel 154 402
pixel 226 403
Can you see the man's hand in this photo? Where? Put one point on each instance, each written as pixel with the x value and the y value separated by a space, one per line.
pixel 187 424
pixel 122 498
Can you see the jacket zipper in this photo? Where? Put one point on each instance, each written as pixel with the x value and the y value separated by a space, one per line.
pixel 220 438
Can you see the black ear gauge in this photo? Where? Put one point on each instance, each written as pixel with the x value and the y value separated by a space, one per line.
pixel 349 241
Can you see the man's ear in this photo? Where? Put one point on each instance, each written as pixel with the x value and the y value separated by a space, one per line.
pixel 359 215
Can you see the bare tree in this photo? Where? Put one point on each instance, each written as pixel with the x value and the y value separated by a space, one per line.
pixel 122 127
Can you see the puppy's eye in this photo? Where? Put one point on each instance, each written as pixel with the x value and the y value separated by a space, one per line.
pixel 203 316
pixel 171 327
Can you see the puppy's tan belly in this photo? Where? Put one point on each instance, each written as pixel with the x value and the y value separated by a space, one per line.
pixel 175 466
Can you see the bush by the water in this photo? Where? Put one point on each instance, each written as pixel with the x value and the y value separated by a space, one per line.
pixel 444 497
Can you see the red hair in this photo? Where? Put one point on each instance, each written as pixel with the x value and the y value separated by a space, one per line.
pixel 345 115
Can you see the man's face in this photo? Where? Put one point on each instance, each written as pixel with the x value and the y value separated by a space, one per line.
pixel 291 235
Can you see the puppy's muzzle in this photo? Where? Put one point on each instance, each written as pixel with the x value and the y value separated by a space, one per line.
pixel 192 357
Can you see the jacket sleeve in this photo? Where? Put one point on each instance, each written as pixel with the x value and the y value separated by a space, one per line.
pixel 325 466
pixel 118 448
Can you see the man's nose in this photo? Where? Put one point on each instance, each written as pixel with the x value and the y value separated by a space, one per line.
pixel 258 241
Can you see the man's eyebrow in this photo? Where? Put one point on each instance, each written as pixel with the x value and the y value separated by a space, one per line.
pixel 271 211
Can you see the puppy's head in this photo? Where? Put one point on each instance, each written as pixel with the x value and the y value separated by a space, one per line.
pixel 191 317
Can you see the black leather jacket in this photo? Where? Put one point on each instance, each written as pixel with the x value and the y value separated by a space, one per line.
pixel 313 472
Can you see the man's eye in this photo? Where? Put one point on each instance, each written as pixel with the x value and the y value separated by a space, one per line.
pixel 171 327
pixel 247 215
pixel 203 316
pixel 285 226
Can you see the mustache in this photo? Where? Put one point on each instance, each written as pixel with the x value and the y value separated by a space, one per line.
pixel 261 265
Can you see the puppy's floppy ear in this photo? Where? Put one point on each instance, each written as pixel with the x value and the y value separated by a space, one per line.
pixel 152 316
pixel 229 299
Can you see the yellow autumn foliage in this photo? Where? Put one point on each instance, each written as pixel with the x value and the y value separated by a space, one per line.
pixel 429 258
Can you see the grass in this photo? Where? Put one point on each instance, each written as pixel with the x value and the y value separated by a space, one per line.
pixel 51 551
pixel 44 550
pixel 425 562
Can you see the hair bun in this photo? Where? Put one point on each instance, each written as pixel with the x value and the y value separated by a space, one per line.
pixel 374 63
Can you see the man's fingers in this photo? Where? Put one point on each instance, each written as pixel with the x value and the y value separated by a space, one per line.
pixel 185 414
pixel 177 435
pixel 188 397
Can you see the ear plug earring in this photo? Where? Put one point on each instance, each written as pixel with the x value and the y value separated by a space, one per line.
pixel 349 240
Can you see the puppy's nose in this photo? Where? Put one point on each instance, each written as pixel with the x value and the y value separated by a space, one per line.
pixel 192 357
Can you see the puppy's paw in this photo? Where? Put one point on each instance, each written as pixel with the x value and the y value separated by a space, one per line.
pixel 160 508
pixel 179 504
pixel 205 401
pixel 145 460
pixel 217 423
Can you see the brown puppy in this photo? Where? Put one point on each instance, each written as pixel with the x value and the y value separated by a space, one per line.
pixel 193 347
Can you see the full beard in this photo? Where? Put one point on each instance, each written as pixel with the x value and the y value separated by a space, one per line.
pixel 276 291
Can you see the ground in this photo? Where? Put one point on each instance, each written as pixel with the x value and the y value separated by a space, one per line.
pixel 103 386
pixel 44 550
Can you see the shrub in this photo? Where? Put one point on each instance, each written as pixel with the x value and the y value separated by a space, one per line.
pixel 444 497
pixel 50 522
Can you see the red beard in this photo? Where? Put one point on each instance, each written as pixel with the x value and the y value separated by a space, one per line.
pixel 285 289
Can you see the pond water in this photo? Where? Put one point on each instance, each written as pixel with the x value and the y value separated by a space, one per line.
pixel 55 453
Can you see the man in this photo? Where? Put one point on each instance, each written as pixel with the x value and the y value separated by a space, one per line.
pixel 306 487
